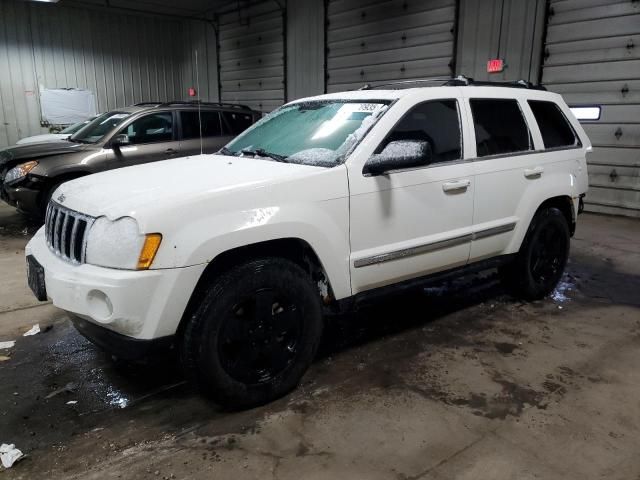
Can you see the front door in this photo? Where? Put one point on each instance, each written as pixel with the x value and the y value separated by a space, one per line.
pixel 152 137
pixel 409 223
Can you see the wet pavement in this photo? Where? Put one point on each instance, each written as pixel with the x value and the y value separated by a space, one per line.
pixel 460 381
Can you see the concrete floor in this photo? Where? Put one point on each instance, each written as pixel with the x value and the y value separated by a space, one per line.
pixel 460 382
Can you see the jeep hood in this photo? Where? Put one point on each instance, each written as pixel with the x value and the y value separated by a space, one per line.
pixel 161 185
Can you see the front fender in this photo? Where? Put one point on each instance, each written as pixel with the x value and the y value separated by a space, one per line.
pixel 323 224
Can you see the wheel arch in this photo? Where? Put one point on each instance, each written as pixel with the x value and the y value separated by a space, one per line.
pixel 295 249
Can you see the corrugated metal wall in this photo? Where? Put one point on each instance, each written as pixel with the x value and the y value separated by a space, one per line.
pixel 507 29
pixel 305 48
pixel 592 57
pixel 122 58
pixel 386 40
pixel 252 56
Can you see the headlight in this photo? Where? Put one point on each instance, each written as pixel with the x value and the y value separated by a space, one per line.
pixel 20 171
pixel 119 244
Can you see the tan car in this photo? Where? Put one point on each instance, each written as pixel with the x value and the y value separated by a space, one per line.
pixel 145 132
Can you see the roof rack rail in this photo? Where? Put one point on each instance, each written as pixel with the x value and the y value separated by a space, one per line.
pixel 191 102
pixel 143 104
pixel 196 102
pixel 458 81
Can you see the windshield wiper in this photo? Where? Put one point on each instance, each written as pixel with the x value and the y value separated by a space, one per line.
pixel 225 151
pixel 261 152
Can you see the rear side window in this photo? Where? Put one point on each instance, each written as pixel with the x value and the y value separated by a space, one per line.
pixel 436 122
pixel 191 124
pixel 237 122
pixel 500 127
pixel 554 127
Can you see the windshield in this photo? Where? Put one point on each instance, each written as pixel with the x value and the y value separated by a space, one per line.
pixel 99 127
pixel 311 133
pixel 76 126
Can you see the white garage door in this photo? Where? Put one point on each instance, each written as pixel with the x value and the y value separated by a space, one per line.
pixel 252 56
pixel 592 57
pixel 377 41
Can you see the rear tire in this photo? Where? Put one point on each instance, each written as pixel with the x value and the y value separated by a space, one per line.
pixel 254 334
pixel 540 263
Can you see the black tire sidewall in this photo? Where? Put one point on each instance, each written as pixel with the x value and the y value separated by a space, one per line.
pixel 549 217
pixel 200 343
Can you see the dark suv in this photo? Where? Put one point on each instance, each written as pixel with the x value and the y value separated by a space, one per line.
pixel 145 132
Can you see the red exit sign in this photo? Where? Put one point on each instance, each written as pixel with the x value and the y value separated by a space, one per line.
pixel 495 65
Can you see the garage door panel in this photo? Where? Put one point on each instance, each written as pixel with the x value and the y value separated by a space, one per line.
pixel 409 38
pixel 437 50
pixel 388 41
pixel 586 12
pixel 251 56
pixel 618 91
pixel 621 157
pixel 565 5
pixel 264 50
pixel 613 201
pixel 615 180
pixel 607 27
pixel 590 72
pixel 253 95
pixel 376 13
pixel 606 135
pixel 375 73
pixel 589 51
pixel 337 7
pixel 252 74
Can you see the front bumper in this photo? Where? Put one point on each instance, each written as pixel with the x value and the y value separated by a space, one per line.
pixel 24 199
pixel 140 305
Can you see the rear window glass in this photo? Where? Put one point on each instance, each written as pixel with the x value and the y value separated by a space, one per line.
pixel 500 127
pixel 554 127
pixel 237 122
pixel 191 124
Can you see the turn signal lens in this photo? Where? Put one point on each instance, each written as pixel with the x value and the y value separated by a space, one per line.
pixel 149 249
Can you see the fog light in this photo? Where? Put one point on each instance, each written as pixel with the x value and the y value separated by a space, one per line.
pixel 100 307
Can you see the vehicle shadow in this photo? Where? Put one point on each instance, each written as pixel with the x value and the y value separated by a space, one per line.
pixel 398 313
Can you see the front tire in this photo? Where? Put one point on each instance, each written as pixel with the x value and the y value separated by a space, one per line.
pixel 255 333
pixel 539 265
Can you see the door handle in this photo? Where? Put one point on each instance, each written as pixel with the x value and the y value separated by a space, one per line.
pixel 535 172
pixel 170 151
pixel 456 186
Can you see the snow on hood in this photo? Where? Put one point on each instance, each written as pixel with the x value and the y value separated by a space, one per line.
pixel 158 185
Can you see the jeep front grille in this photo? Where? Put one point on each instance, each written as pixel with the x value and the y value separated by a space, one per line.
pixel 66 232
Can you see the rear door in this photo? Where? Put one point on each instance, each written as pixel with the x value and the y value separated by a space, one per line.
pixel 213 135
pixel 505 163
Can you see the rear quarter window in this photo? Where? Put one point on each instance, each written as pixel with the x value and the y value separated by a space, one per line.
pixel 554 127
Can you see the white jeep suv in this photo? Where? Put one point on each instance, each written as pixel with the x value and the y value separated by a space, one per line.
pixel 234 257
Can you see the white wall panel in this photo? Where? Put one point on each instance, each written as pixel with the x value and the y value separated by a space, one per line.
pixel 122 58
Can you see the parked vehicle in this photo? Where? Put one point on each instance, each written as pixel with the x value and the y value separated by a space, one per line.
pixel 326 203
pixel 55 137
pixel 146 132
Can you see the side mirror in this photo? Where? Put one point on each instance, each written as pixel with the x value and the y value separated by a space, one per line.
pixel 120 140
pixel 398 155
